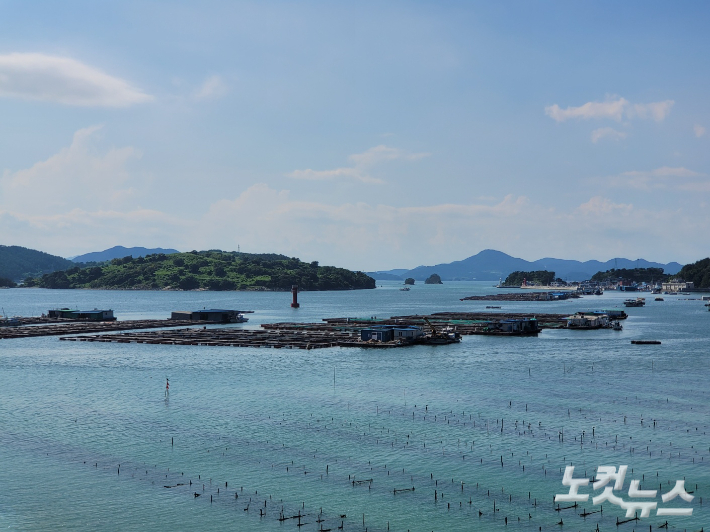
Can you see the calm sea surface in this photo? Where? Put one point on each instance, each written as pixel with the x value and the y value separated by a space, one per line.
pixel 88 440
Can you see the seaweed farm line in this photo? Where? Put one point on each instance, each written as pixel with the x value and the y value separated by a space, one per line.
pixel 104 435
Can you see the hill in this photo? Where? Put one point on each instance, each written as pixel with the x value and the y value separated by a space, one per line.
pixel 491 265
pixel 636 275
pixel 118 252
pixel 17 262
pixel 210 270
pixel 698 273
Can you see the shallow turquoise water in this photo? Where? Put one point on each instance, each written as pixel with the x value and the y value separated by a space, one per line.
pixel 86 432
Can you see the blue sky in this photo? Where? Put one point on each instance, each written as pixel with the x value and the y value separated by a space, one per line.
pixel 368 135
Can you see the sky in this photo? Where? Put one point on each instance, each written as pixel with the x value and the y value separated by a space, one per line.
pixel 367 135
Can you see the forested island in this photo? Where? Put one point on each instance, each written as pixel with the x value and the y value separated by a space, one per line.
pixel 635 275
pixel 698 273
pixel 208 270
pixel 541 277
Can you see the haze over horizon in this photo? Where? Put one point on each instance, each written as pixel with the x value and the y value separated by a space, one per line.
pixel 365 135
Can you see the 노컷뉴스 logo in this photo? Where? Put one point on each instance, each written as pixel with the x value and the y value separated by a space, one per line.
pixel 607 473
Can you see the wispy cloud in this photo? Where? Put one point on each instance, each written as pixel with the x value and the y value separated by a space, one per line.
pixel 665 177
pixel 212 88
pixel 78 176
pixel 64 80
pixel 607 132
pixel 657 111
pixel 614 109
pixel 362 163
pixel 357 232
pixel 698 130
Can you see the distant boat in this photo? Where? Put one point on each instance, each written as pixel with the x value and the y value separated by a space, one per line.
pixel 404 289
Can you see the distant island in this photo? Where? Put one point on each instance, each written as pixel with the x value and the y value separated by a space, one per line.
pixel 492 265
pixel 433 279
pixel 118 252
pixel 205 270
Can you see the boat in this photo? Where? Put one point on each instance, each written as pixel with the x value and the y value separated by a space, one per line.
pixel 638 302
pixel 617 326
pixel 404 289
pixel 658 299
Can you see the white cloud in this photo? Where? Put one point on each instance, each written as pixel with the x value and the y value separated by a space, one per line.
pixel 362 164
pixel 607 132
pixel 614 109
pixel 78 176
pixel 64 80
pixel 368 235
pixel 698 130
pixel 374 236
pixel 78 231
pixel 212 88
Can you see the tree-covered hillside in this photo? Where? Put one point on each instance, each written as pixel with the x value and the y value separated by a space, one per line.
pixel 542 277
pixel 698 273
pixel 17 262
pixel 211 270
pixel 635 275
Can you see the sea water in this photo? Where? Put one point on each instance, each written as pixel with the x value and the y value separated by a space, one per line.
pixel 482 430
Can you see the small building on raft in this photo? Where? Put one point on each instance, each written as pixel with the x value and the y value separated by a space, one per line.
pixel 74 314
pixel 388 333
pixel 211 315
pixel 587 321
pixel 613 314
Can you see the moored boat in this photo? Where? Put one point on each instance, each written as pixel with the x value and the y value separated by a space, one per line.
pixel 638 302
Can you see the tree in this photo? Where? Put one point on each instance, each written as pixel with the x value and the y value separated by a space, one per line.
pixel 409 280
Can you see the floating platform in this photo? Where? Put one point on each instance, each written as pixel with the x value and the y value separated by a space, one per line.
pixel 646 342
pixel 229 337
pixel 522 296
pixel 79 327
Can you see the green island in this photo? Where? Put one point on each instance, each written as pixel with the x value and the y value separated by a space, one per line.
pixel 541 277
pixel 698 273
pixel 206 270
pixel 635 275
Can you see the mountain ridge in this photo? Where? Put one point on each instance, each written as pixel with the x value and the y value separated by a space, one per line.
pixel 492 265
pixel 118 252
pixel 17 262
